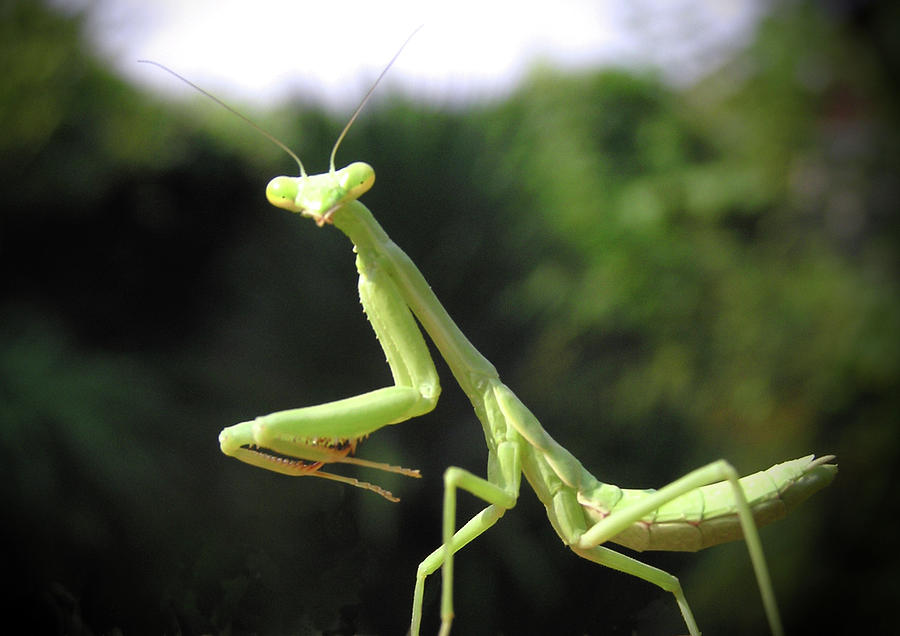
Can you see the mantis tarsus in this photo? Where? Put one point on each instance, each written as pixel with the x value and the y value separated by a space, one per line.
pixel 708 506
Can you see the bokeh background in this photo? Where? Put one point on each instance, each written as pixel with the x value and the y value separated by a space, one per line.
pixel 666 274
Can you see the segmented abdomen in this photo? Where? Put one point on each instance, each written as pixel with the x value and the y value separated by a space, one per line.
pixel 707 516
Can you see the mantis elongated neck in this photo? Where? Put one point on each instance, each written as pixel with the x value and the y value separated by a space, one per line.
pixel 469 367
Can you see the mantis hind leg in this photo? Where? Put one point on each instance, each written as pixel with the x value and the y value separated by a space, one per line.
pixel 668 582
pixel 718 471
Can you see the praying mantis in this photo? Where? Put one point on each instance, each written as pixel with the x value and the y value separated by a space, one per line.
pixel 706 507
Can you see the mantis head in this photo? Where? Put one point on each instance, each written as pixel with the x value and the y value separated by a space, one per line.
pixel 320 195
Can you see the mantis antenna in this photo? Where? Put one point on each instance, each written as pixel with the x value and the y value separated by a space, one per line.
pixel 367 96
pixel 233 111
pixel 272 137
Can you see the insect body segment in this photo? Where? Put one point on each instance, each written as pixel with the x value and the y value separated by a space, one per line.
pixel 707 516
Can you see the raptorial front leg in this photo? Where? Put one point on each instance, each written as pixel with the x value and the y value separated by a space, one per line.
pixel 300 441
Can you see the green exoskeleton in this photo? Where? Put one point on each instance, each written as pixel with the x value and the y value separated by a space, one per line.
pixel 708 506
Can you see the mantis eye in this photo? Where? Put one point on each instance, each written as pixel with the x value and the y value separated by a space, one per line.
pixel 357 178
pixel 282 193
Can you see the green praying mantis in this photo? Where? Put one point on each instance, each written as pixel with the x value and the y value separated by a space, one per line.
pixel 706 507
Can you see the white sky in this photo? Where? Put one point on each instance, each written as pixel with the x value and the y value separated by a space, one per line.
pixel 263 51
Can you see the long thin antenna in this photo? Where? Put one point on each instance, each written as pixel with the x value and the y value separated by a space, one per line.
pixel 231 110
pixel 368 95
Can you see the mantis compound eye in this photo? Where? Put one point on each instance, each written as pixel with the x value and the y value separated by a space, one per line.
pixel 357 178
pixel 282 193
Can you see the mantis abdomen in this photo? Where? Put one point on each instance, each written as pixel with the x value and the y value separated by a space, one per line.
pixel 707 516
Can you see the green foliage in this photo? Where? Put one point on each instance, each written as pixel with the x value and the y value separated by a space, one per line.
pixel 664 277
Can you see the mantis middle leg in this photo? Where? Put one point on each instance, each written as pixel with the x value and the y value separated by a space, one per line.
pixel 500 490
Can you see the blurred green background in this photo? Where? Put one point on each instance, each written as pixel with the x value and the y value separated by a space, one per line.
pixel 664 276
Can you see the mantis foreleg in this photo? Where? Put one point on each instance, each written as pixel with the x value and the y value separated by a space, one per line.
pixel 299 441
